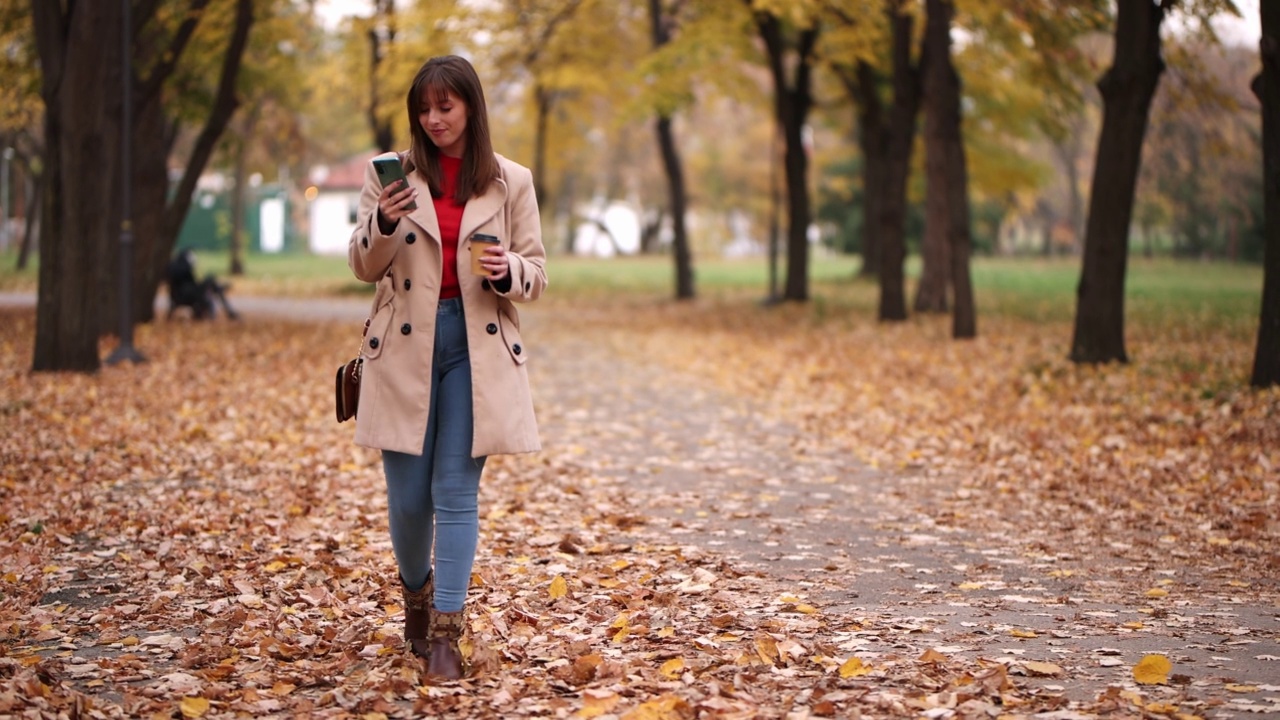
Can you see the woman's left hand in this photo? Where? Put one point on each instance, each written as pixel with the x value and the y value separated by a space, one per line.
pixel 495 261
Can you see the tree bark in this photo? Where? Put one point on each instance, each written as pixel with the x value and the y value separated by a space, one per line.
pixel 379 123
pixel 678 198
pixel 80 57
pixel 35 191
pixel 238 192
pixel 901 141
pixel 873 137
pixel 1127 89
pixel 160 214
pixel 959 241
pixel 1266 359
pixel 931 293
pixel 792 101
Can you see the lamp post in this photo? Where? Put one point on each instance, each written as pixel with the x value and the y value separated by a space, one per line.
pixel 125 350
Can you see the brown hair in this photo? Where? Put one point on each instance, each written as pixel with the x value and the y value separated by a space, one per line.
pixel 453 74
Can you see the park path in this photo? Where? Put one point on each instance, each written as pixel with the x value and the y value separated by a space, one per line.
pixel 724 474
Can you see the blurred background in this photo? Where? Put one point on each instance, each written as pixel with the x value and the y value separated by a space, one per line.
pixel 573 87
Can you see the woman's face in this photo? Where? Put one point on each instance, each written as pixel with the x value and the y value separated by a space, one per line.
pixel 444 120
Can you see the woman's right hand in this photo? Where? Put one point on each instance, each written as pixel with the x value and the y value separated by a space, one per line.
pixel 393 204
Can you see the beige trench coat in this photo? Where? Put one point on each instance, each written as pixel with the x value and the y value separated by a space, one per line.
pixel 395 391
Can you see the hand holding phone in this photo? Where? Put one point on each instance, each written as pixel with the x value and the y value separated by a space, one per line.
pixel 389 172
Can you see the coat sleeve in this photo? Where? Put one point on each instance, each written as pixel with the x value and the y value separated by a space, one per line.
pixel 369 253
pixel 526 257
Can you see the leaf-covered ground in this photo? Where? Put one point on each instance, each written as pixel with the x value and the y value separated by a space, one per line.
pixel 739 513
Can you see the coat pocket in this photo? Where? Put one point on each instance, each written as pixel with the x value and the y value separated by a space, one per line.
pixel 510 329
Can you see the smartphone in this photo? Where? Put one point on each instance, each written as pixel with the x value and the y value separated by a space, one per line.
pixel 390 170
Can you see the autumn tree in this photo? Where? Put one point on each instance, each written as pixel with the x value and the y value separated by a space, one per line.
pixel 80 59
pixel 187 70
pixel 1127 89
pixel 663 18
pixel 20 114
pixel 790 38
pixel 1266 361
pixel 947 242
pixel 380 30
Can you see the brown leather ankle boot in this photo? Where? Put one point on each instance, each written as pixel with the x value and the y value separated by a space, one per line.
pixel 417 617
pixel 445 662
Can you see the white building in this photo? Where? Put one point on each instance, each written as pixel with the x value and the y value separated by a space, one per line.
pixel 334 203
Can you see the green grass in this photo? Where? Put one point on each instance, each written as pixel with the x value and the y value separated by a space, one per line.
pixel 1157 291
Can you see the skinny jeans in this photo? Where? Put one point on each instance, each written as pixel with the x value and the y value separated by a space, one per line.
pixel 432 498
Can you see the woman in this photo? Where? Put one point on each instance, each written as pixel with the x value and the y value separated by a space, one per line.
pixel 444 383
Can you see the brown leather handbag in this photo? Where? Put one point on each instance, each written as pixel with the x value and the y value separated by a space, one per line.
pixel 347 390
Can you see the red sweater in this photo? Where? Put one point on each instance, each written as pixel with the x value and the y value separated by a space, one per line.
pixel 449 214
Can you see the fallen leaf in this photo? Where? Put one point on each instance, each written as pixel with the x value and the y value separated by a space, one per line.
pixel 559 588
pixel 854 667
pixel 193 707
pixel 1152 670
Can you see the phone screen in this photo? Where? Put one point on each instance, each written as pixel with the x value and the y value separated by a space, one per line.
pixel 389 171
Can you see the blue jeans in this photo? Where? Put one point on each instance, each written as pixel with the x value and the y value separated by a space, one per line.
pixel 435 493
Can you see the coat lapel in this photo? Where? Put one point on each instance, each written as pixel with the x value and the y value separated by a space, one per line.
pixel 481 208
pixel 425 215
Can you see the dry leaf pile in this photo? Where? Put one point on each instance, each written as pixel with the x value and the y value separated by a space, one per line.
pixel 196 537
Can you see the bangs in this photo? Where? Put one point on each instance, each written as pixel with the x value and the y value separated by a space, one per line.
pixel 436 91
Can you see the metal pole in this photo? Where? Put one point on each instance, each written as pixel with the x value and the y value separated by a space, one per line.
pixel 125 350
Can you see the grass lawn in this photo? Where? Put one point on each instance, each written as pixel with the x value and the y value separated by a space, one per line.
pixel 1157 291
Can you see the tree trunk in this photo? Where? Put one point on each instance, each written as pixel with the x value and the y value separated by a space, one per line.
pixel 792 100
pixel 674 171
pixel 1266 360
pixel 873 137
pixel 379 123
pixel 35 191
pixel 959 241
pixel 238 192
pixel 931 293
pixel 80 56
pixel 1127 89
pixel 161 216
pixel 902 136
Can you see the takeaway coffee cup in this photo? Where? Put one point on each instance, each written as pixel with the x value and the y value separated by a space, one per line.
pixel 478 245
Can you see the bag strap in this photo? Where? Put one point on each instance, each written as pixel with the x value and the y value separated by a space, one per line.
pixel 363 334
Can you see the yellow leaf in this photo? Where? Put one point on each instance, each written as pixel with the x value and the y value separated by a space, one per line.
pixel 1042 668
pixel 672 668
pixel 667 707
pixel 767 649
pixel 275 566
pixel 1157 593
pixel 1135 625
pixel 129 641
pixel 1022 633
pixel 1233 687
pixel 1161 708
pixel 597 702
pixel 559 588
pixel 193 707
pixel 1152 670
pixel 622 634
pixel 666 632
pixel 970 586
pixel 620 564
pixel 281 689
pixel 853 667
pixel 806 609
pixel 1062 573
pixel 932 656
